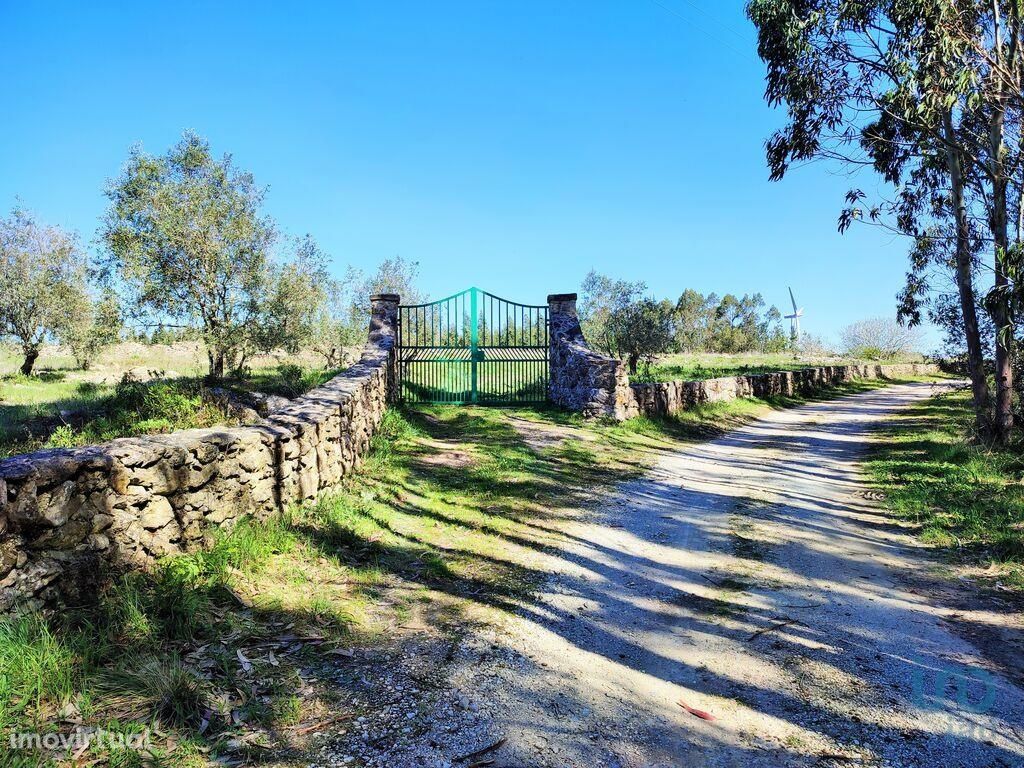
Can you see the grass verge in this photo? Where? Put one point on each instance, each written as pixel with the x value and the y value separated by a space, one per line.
pixel 964 498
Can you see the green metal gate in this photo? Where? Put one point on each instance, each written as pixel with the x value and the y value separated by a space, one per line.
pixel 473 347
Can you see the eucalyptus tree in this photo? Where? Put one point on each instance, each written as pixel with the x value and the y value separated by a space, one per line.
pixel 42 281
pixel 694 320
pixel 744 324
pixel 925 92
pixel 186 239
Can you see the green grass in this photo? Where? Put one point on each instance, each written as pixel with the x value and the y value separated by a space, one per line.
pixel 99 414
pixel 54 410
pixel 700 366
pixel 37 666
pixel 286 379
pixel 965 499
pixel 449 523
pixel 31 407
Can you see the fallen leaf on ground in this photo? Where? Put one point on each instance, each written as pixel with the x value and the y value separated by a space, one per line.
pixel 696 712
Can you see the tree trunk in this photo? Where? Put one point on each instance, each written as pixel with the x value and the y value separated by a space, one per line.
pixel 1000 298
pixel 216 358
pixel 965 280
pixel 634 361
pixel 1001 314
pixel 238 369
pixel 1004 373
pixel 31 355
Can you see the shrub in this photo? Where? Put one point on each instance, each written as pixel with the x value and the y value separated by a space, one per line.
pixel 171 401
pixel 63 437
pixel 138 408
pixel 87 388
pixel 289 373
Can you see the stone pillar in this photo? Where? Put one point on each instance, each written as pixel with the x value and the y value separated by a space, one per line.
pixel 563 305
pixel 384 334
pixel 383 317
pixel 581 379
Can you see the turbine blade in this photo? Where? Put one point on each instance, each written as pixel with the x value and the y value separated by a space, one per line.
pixel 792 299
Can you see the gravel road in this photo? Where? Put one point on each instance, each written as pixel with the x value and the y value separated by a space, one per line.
pixel 744 604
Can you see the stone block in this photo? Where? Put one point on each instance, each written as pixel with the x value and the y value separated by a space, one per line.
pixel 156 514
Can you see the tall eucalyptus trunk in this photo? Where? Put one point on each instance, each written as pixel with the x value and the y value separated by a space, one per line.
pixel 964 277
pixel 1000 299
pixel 1001 313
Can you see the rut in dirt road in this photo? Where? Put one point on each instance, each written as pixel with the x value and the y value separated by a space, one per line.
pixel 753 579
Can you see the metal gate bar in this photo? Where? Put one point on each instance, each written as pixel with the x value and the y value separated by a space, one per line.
pixel 473 347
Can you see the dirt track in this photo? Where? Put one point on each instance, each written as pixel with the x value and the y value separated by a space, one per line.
pixel 753 579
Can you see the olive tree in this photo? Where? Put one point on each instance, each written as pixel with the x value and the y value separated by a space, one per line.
pixel 619 320
pixel 342 320
pixel 186 239
pixel 293 297
pixel 42 282
pixel 93 324
pixel 393 275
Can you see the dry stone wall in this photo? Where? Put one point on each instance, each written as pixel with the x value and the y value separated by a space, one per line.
pixel 664 398
pixel 598 386
pixel 582 380
pixel 69 518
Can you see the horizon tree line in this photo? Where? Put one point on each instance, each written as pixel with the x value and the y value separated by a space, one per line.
pixel 621 320
pixel 189 254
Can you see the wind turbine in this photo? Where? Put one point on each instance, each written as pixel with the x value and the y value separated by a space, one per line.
pixel 794 319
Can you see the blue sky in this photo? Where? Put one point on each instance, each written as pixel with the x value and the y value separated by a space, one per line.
pixel 510 145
